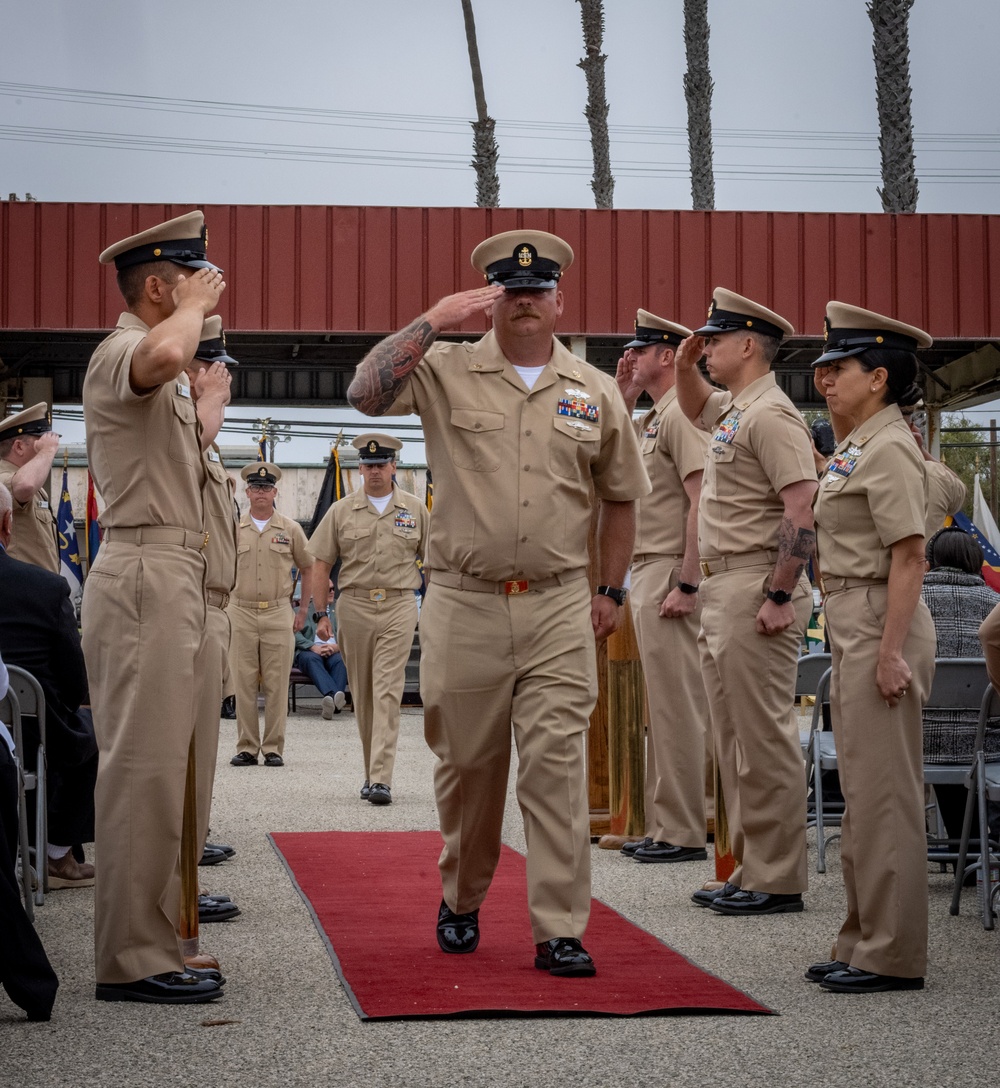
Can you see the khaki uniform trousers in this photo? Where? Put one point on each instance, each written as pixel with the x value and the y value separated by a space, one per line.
pixel 883 844
pixel 144 641
pixel 375 638
pixel 488 662
pixel 262 644
pixel 679 730
pixel 213 677
pixel 750 683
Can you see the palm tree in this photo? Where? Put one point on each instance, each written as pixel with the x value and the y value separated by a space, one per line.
pixel 698 87
pixel 891 47
pixel 592 16
pixel 484 144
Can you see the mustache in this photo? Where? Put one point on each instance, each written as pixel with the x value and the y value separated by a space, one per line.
pixel 526 311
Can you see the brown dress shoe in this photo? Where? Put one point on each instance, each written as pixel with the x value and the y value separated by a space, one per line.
pixel 67 872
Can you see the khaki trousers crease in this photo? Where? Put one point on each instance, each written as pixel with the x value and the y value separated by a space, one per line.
pixel 213 675
pixel 263 645
pixel 143 640
pixel 677 708
pixel 750 683
pixel 493 663
pixel 375 639
pixel 883 846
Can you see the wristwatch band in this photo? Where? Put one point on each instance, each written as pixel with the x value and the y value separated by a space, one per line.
pixel 779 596
pixel 317 616
pixel 687 587
pixel 616 594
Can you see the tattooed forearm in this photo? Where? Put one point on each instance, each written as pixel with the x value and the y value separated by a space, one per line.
pixel 381 373
pixel 795 548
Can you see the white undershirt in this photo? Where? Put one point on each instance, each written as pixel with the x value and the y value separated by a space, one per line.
pixel 529 374
pixel 381 502
pixel 261 525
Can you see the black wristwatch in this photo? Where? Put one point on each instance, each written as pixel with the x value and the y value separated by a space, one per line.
pixel 317 616
pixel 688 588
pixel 617 595
pixel 779 596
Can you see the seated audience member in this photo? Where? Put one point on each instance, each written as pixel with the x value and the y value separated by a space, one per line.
pixel 320 659
pixel 38 633
pixel 25 972
pixel 959 600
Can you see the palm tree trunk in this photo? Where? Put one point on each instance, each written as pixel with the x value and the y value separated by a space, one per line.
pixel 484 145
pixel 592 17
pixel 891 47
pixel 698 87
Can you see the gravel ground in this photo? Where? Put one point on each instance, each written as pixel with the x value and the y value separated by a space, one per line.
pixel 286 1021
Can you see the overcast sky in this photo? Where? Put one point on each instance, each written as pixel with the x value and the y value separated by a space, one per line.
pixel 369 103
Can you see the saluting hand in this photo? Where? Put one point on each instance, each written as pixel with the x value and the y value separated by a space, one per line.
pixel 626 381
pixel 452 310
pixel 691 350
pixel 203 289
pixel 214 382
pixel 47 443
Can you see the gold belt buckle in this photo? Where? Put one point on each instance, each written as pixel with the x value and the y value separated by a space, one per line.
pixel 263 604
pixel 516 586
pixel 377 594
pixel 706 572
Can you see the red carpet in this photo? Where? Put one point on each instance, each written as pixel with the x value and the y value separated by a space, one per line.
pixel 375 896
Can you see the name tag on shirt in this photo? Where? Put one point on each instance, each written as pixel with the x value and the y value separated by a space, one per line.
pixel 184 390
pixel 43 504
pixel 213 456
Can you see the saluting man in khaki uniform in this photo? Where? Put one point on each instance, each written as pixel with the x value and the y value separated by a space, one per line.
pixel 755 535
pixel 263 641
pixel 521 435
pixel 378 533
pixel 144 605
pixel 27 447
pixel 870 513
pixel 664 597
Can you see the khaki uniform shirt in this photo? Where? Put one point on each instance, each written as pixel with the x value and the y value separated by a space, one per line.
pixel 945 495
pixel 376 550
pixel 221 523
pixel 36 535
pixel 871 496
pixel 264 560
pixel 759 445
pixel 144 451
pixel 672 448
pixel 513 469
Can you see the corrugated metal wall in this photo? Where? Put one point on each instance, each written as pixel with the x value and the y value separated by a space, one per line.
pixel 369 269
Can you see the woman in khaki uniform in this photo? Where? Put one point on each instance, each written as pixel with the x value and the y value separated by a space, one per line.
pixel 870 512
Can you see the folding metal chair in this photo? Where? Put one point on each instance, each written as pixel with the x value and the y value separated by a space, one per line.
pixel 10 714
pixel 983 782
pixel 821 755
pixel 31 701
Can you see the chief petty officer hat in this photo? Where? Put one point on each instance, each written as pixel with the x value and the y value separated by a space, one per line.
pixel 183 241
pixel 261 474
pixel 375 448
pixel 523 259
pixel 33 420
pixel 730 312
pixel 212 345
pixel 650 329
pixel 851 330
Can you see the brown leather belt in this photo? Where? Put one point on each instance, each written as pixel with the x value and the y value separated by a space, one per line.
pixel 513 586
pixel 734 562
pixel 216 598
pixel 262 604
pixel 376 594
pixel 157 534
pixel 832 583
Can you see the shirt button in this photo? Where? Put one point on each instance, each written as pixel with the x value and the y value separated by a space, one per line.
pixel 478 425
pixel 525 503
pixel 527 468
pixel 524 539
pixel 527 434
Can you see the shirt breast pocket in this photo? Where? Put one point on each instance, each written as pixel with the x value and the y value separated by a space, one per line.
pixel 829 501
pixel 574 447
pixel 183 443
pixel 476 439
pixel 722 464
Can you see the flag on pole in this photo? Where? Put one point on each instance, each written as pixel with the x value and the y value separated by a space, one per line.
pixel 262 447
pixel 991 558
pixel 982 516
pixel 331 489
pixel 93 526
pixel 69 553
pixel 430 491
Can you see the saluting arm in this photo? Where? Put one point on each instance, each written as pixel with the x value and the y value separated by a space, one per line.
pixel 692 389
pixel 382 372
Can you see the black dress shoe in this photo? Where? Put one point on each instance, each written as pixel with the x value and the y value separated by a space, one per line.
pixel 665 851
pixel 629 848
pixel 378 794
pixel 272 759
pixel 705 897
pixel 171 988
pixel 457 932
pixel 745 903
pixel 816 972
pixel 564 956
pixel 229 851
pixel 212 910
pixel 212 855
pixel 243 759
pixel 365 789
pixel 213 974
pixel 852 980
pixel 228 709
